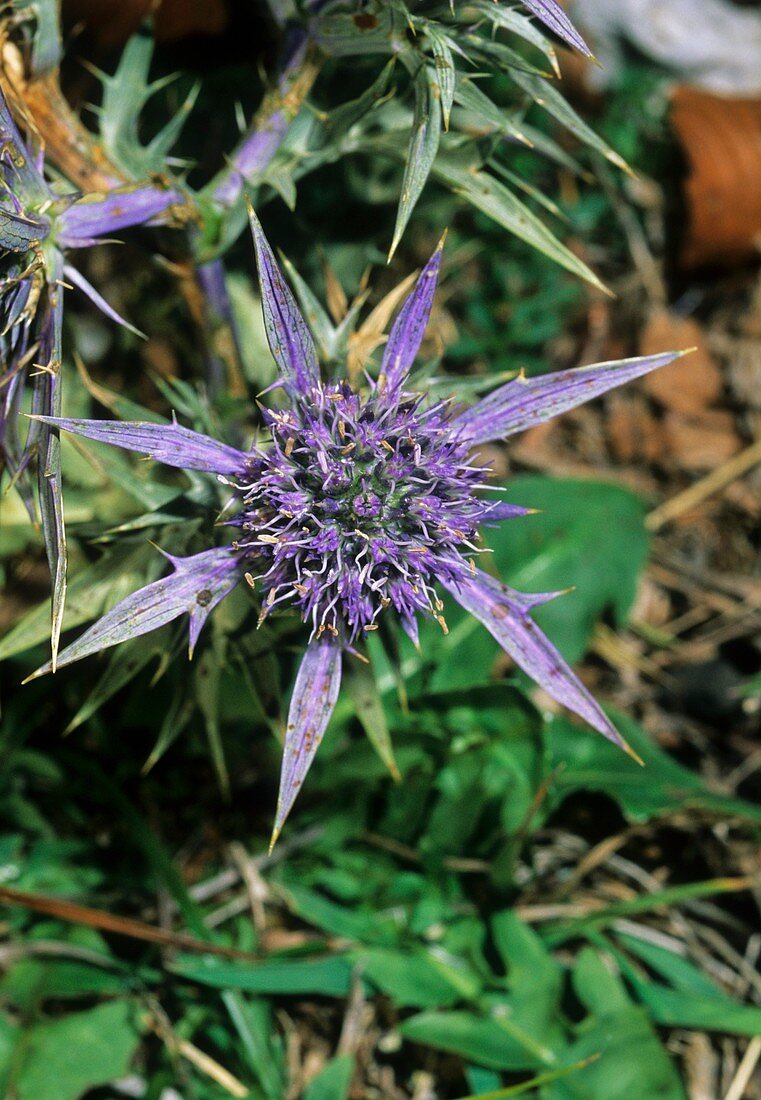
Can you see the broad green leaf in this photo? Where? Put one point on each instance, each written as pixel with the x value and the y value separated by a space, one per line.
pixel 589 535
pixel 632 1064
pixel 676 1008
pixel 361 925
pixel 333 1081
pixel 694 1001
pixel 629 1062
pixel 661 787
pixel 32 981
pixel 64 1058
pixel 417 980
pixel 676 969
pixel 326 977
pixel 473 1037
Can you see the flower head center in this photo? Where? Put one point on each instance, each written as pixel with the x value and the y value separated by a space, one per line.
pixel 359 504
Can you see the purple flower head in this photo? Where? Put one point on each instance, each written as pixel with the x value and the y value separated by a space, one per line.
pixel 360 505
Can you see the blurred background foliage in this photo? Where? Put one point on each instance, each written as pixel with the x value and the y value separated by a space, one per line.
pixel 521 911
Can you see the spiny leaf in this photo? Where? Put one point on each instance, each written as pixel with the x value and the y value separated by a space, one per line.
pixel 446 73
pixel 124 96
pixel 493 198
pixel 424 144
pixel 517 23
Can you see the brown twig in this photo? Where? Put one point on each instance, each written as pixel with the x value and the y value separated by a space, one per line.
pixel 120 926
pixel 714 482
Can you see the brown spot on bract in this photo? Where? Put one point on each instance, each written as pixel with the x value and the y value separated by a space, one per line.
pixel 203 599
pixel 365 21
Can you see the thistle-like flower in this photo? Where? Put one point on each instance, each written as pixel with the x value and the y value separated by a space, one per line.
pixel 361 504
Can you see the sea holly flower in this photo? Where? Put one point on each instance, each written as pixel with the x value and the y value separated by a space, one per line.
pixel 363 504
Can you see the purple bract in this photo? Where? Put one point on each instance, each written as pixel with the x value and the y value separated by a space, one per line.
pixel 361 504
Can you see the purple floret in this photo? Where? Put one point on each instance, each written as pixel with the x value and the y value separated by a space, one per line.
pixel 360 504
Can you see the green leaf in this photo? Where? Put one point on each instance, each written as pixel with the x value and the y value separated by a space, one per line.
pixel 252 1020
pixel 534 1083
pixel 548 97
pixel 661 787
pixel 326 977
pixel 678 970
pixel 470 96
pixel 344 34
pixel 675 1008
pixel 694 1001
pixel 360 925
pixel 418 980
pixel 424 144
pixel 632 1064
pixel 517 23
pixel 315 316
pixel 570 928
pixel 443 57
pixel 590 535
pixel 341 119
pixel 64 1058
pixel 474 1037
pixel 124 663
pixel 333 1081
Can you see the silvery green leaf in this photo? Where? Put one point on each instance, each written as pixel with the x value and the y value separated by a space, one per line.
pixel 423 146
pixel 515 22
pixel 528 189
pixel 545 95
pixel 46 399
pixel 550 149
pixel 492 197
pixel 446 73
pixel 490 50
pixel 46 36
pixel 342 118
pixel 470 96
